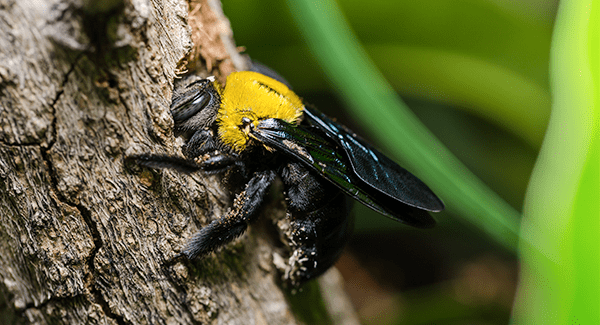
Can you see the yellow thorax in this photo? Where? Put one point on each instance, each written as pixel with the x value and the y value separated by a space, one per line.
pixel 256 97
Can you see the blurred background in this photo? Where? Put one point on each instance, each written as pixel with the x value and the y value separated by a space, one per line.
pixel 475 72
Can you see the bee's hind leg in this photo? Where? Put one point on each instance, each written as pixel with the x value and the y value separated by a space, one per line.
pixel 225 229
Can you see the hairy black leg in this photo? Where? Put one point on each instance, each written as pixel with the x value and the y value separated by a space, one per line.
pixel 201 142
pixel 179 164
pixel 220 162
pixel 320 224
pixel 201 152
pixel 234 223
pixel 216 163
pixel 203 149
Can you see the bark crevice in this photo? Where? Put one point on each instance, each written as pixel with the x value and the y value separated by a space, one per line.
pixel 92 273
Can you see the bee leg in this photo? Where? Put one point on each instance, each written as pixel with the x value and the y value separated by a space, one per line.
pixel 179 164
pixel 200 152
pixel 216 163
pixel 221 162
pixel 225 229
pixel 320 225
pixel 203 149
pixel 201 142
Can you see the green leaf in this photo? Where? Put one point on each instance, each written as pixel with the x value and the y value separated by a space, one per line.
pixel 560 282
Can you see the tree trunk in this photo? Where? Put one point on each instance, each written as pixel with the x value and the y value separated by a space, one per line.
pixel 88 239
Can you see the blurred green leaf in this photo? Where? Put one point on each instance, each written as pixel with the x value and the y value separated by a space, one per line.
pixel 560 282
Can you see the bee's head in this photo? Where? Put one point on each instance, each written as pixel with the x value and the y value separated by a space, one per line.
pixel 248 98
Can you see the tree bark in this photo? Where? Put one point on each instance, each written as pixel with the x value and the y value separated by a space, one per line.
pixel 86 238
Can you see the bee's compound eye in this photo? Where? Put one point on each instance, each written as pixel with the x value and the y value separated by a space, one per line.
pixel 189 104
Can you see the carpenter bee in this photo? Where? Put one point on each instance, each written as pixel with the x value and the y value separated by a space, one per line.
pixel 257 128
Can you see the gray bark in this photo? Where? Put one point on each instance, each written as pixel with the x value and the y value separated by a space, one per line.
pixel 85 238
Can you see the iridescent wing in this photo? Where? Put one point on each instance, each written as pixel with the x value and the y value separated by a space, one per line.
pixel 354 166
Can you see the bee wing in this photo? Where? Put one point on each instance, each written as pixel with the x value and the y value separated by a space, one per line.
pixel 376 169
pixel 316 149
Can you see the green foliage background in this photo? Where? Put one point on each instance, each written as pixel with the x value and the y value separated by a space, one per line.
pixel 478 73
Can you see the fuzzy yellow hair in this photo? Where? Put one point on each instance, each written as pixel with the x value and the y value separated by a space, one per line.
pixel 257 97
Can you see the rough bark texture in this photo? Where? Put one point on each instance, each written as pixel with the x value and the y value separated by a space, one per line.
pixel 84 237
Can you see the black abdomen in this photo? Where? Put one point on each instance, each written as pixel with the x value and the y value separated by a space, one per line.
pixel 320 225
